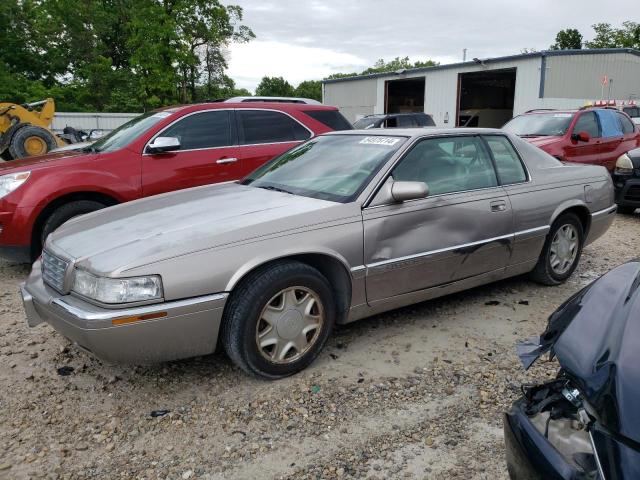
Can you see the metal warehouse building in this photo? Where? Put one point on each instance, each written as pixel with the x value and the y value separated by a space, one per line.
pixel 488 92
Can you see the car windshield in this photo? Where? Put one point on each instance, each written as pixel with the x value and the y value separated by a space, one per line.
pixel 540 124
pixel 125 134
pixel 366 122
pixel 331 167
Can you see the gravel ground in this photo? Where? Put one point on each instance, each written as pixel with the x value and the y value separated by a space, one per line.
pixel 414 393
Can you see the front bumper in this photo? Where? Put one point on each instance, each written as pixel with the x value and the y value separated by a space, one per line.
pixel 187 328
pixel 530 456
pixel 627 190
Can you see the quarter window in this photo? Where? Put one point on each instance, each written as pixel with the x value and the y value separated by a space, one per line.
pixel 266 126
pixel 202 130
pixel 508 163
pixel 627 125
pixel 448 165
pixel 587 123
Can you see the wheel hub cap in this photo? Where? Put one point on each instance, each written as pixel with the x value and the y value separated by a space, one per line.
pixel 564 249
pixel 35 146
pixel 289 325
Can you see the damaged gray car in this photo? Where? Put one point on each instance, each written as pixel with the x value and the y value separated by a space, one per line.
pixel 342 227
pixel 585 424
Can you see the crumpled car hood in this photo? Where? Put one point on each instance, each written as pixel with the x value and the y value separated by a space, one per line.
pixel 595 336
pixel 155 228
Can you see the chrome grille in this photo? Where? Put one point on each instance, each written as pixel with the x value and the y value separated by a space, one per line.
pixel 54 271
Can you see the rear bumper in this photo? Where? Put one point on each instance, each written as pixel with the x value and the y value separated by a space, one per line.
pixel 186 328
pixel 627 189
pixel 600 223
pixel 529 455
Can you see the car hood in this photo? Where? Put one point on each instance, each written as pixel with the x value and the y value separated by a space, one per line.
pixel 595 336
pixel 542 141
pixel 38 161
pixel 111 241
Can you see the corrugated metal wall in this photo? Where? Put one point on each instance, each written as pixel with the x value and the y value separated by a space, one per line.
pixel 579 76
pixel 570 82
pixel 88 121
pixel 354 99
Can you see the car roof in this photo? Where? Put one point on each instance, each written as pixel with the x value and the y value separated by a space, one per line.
pixel 298 100
pixel 281 106
pixel 418 132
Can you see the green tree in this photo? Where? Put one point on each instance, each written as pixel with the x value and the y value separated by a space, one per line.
pixel 309 89
pixel 381 66
pixel 607 36
pixel 568 39
pixel 274 87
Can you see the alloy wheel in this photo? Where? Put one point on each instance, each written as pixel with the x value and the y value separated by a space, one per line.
pixel 289 325
pixel 564 249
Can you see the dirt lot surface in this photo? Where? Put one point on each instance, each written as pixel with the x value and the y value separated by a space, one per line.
pixel 414 393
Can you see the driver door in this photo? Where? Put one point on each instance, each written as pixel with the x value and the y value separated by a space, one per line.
pixel 463 228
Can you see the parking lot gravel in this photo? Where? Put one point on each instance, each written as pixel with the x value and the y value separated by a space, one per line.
pixel 414 393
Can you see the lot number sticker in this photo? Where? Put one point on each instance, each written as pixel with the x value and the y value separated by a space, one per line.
pixel 388 141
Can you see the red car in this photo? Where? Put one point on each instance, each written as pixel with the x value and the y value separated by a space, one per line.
pixel 157 152
pixel 595 136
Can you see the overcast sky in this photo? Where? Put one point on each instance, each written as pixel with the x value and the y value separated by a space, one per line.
pixel 310 39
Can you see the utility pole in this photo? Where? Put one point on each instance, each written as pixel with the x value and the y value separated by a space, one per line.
pixel 464 54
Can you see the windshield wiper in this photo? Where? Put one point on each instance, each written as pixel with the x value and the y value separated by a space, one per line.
pixel 276 189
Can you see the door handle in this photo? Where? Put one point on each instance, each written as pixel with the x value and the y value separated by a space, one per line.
pixel 498 206
pixel 222 161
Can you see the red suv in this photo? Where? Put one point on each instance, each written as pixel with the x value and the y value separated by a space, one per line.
pixel 157 152
pixel 595 136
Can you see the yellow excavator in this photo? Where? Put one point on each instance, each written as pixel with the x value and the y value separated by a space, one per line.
pixel 25 129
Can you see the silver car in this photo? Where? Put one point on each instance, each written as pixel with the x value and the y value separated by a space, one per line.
pixel 342 227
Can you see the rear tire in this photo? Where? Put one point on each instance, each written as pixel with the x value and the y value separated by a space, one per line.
pixel 626 210
pixel 65 213
pixel 561 251
pixel 278 319
pixel 31 140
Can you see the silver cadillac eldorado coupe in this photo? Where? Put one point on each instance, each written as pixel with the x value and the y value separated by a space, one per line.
pixel 342 227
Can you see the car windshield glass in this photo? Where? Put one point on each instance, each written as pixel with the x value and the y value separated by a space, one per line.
pixel 331 167
pixel 540 124
pixel 366 122
pixel 125 134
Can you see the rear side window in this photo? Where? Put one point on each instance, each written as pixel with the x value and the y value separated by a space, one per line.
pixel 626 124
pixel 266 126
pixel 425 121
pixel 587 122
pixel 406 121
pixel 609 123
pixel 331 118
pixel 508 163
pixel 633 112
pixel 202 130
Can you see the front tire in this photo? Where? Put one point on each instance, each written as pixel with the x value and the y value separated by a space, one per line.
pixel 626 210
pixel 278 319
pixel 30 141
pixel 561 251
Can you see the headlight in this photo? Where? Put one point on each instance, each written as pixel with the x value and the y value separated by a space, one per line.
pixel 117 290
pixel 8 183
pixel 624 165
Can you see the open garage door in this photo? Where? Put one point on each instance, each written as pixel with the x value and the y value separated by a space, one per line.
pixel 485 99
pixel 404 96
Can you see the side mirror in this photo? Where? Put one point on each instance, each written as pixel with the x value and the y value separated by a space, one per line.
pixel 581 136
pixel 163 144
pixel 403 191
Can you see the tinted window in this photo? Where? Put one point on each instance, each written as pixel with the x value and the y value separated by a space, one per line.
pixel 510 169
pixel 448 165
pixel 425 120
pixel 587 123
pixel 331 118
pixel 609 124
pixel 633 112
pixel 626 124
pixel 265 126
pixel 391 122
pixel 202 130
pixel 367 122
pixel 406 121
